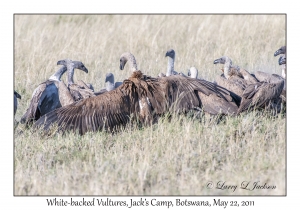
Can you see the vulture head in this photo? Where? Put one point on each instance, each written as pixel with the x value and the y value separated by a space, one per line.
pixel 17 95
pixel 128 57
pixel 170 53
pixel 282 60
pixel 281 50
pixel 73 64
pixel 223 60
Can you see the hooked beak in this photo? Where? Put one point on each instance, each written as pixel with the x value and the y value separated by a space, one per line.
pixel 85 69
pixel 17 95
pixel 122 65
pixel 282 61
pixel 277 52
pixel 61 62
pixel 217 61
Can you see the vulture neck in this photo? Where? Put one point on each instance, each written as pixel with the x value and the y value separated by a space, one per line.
pixel 110 86
pixel 170 68
pixel 283 71
pixel 70 75
pixel 194 74
pixel 227 67
pixel 131 61
pixel 57 75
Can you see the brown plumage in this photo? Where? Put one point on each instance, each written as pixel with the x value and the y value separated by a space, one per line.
pixel 143 98
pixel 272 78
pixel 262 95
pixel 233 78
pixel 80 90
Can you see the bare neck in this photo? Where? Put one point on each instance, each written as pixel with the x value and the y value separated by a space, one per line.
pixel 283 71
pixel 131 61
pixel 227 67
pixel 57 75
pixel 194 73
pixel 170 67
pixel 70 74
pixel 110 86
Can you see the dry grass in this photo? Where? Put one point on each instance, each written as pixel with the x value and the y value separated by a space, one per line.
pixel 176 158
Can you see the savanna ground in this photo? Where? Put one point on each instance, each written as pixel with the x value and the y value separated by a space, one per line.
pixel 169 158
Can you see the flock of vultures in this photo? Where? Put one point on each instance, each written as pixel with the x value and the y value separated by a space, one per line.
pixel 78 107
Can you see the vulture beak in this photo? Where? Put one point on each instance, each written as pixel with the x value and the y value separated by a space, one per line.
pixel 217 61
pixel 85 69
pixel 61 62
pixel 278 52
pixel 282 61
pixel 17 95
pixel 121 66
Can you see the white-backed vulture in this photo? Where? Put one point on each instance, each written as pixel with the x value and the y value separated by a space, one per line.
pixel 171 60
pixel 48 96
pixel 77 91
pixel 16 95
pixel 275 78
pixel 109 83
pixel 272 78
pixel 233 78
pixel 143 98
pixel 262 95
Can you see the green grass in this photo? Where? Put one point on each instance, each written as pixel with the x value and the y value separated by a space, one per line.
pixel 169 158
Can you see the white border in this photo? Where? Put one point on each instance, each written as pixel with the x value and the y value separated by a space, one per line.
pixel 154 6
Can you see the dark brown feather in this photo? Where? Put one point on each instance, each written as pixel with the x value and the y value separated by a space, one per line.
pixel 143 98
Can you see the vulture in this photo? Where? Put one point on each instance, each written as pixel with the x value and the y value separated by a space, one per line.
pixel 234 78
pixel 109 83
pixel 262 95
pixel 282 51
pixel 170 69
pixel 78 92
pixel 16 95
pixel 142 98
pixel 272 79
pixel 49 95
pixel 275 78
